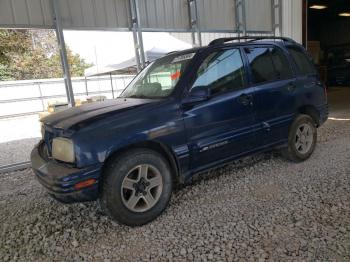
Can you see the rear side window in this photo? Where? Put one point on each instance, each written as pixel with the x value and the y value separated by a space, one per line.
pixel 268 64
pixel 303 64
pixel 221 71
pixel 281 64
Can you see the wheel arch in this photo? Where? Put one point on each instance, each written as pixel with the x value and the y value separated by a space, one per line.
pixel 153 145
pixel 311 111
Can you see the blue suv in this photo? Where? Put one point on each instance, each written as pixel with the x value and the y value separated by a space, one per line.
pixel 184 113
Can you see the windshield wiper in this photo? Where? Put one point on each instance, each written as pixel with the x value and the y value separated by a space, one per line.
pixel 138 96
pixel 144 97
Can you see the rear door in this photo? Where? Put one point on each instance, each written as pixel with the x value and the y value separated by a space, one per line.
pixel 223 126
pixel 274 101
pixel 310 90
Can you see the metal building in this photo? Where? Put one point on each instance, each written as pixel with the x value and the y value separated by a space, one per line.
pixel 198 21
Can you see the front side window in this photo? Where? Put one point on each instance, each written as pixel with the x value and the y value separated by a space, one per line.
pixel 158 79
pixel 221 71
pixel 268 64
pixel 303 63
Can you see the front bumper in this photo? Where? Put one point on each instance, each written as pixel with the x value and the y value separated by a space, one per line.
pixel 60 179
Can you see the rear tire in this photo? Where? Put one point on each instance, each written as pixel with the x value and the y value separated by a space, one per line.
pixel 302 139
pixel 137 187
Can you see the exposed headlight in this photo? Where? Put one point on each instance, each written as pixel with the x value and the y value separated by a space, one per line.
pixel 63 149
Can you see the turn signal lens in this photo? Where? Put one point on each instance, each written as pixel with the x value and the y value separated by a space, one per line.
pixel 85 183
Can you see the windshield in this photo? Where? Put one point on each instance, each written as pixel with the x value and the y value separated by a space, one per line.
pixel 159 78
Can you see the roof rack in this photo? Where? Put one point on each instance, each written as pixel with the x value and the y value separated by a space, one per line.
pixel 251 38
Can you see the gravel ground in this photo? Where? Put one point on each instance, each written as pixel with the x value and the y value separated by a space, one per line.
pixel 263 208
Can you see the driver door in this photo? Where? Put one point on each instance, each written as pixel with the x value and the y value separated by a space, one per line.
pixel 223 127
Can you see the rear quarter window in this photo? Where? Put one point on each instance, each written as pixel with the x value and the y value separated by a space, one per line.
pixel 304 66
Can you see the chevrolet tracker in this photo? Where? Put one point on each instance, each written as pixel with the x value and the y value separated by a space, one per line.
pixel 184 113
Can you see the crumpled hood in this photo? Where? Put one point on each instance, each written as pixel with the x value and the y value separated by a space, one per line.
pixel 78 117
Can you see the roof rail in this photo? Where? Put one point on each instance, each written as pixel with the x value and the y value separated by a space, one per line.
pixel 251 38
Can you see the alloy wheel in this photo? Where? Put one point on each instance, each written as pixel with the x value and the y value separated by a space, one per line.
pixel 141 188
pixel 304 138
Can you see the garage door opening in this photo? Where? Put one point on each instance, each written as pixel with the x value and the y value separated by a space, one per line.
pixel 326 35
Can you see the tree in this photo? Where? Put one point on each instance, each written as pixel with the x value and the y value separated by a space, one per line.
pixel 33 54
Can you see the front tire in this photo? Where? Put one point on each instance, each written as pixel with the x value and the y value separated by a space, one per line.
pixel 302 139
pixel 137 187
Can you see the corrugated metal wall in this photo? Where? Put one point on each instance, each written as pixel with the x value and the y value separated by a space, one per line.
pixel 23 13
pixel 166 14
pixel 206 37
pixel 83 14
pixel 170 15
pixel 258 15
pixel 76 14
pixel 216 15
pixel 292 24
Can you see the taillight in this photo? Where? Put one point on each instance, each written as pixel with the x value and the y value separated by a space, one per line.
pixel 325 91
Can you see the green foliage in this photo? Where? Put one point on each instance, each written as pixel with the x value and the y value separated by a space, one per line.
pixel 33 54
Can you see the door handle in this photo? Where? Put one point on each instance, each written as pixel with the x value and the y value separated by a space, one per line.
pixel 245 99
pixel 316 83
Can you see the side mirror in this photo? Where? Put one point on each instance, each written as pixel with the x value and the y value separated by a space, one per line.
pixel 197 94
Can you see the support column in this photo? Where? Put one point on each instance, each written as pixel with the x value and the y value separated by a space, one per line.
pixel 63 52
pixel 194 22
pixel 241 24
pixel 137 35
pixel 280 18
pixel 276 17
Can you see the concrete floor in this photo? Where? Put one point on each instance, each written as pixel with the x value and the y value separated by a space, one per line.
pixel 339 102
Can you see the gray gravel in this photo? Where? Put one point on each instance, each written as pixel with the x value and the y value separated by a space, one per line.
pixel 263 208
